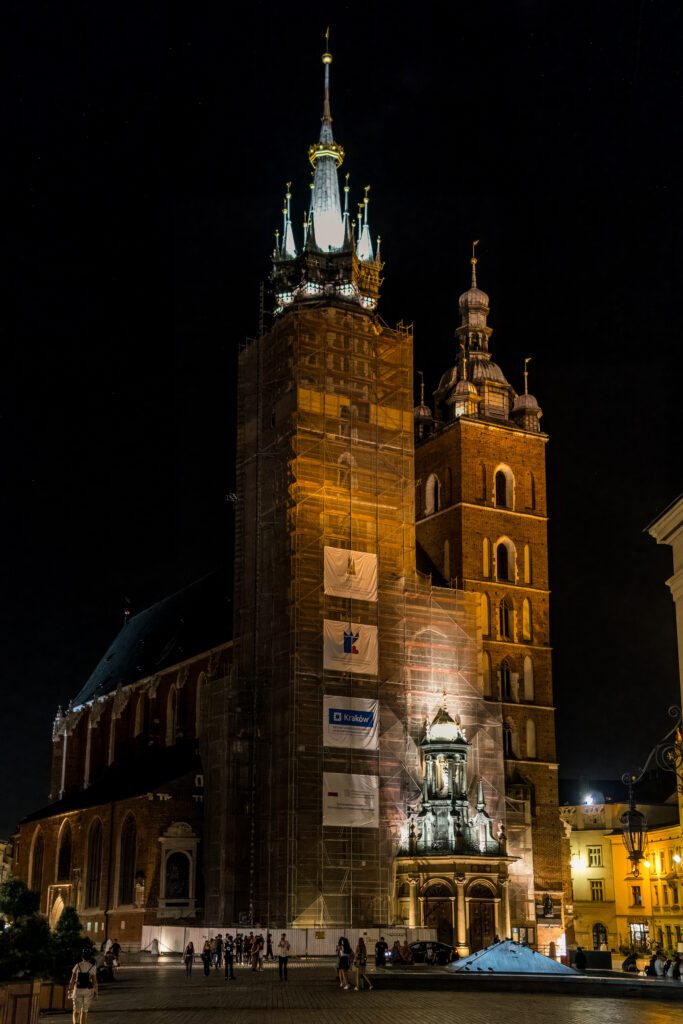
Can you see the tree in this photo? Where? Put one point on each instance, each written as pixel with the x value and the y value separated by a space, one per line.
pixel 67 945
pixel 25 943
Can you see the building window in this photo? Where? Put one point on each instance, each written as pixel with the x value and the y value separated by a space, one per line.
pixel 531 490
pixel 527 564
pixel 505 618
pixel 597 890
pixel 636 896
pixel 528 678
pixel 507 741
pixel 178 876
pixel 595 856
pixel 599 936
pixel 64 858
pixel 432 494
pixel 665 895
pixel 486 558
pixel 127 857
pixel 504 487
pixel 486 671
pixel 94 872
pixel 655 895
pixel 505 681
pixel 530 738
pixel 640 935
pixel 526 619
pixel 502 562
pixel 485 615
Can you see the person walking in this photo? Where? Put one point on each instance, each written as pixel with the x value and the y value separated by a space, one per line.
pixel 381 948
pixel 344 956
pixel 248 943
pixel 361 961
pixel 283 948
pixel 188 957
pixel 206 957
pixel 218 954
pixel 228 954
pixel 238 948
pixel 269 946
pixel 257 953
pixel 82 988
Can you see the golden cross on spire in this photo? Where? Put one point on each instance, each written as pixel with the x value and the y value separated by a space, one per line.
pixel 474 255
pixel 526 375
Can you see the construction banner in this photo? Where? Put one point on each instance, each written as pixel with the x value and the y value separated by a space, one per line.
pixel 350 801
pixel 351 722
pixel 350 647
pixel 350 574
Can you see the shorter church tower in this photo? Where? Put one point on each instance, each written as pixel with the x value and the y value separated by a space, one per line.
pixel 449 841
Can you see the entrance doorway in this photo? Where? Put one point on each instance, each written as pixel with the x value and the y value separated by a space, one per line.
pixel 482 918
pixel 439 912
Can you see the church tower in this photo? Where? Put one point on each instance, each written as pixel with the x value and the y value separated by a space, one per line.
pixel 482 525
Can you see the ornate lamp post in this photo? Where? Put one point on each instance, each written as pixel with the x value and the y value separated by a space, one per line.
pixel 667 755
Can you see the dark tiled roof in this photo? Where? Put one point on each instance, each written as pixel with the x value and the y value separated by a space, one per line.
pixel 177 628
pixel 143 773
pixel 655 788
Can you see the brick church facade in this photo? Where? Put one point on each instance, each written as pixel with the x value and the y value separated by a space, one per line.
pixel 374 746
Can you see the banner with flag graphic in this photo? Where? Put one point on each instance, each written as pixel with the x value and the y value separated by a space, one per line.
pixel 350 722
pixel 350 801
pixel 350 574
pixel 350 647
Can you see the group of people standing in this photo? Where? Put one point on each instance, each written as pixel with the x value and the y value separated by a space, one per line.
pixel 242 949
pixel 347 958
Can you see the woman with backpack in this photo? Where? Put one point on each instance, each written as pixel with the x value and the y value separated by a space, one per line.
pixel 83 987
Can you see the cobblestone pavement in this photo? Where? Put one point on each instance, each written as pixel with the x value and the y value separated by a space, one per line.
pixel 163 995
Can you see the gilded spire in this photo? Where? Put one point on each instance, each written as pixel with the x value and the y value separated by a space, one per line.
pixel 364 246
pixel 526 375
pixel 326 156
pixel 288 246
pixel 473 261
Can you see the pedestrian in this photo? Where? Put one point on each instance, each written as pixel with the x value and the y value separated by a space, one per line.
pixel 659 964
pixel 674 970
pixel 248 943
pixel 228 954
pixel 256 953
pixel 269 947
pixel 406 953
pixel 580 960
pixel 116 952
pixel 206 957
pixel 218 955
pixel 238 948
pixel 381 948
pixel 344 955
pixel 188 957
pixel 82 988
pixel 283 949
pixel 360 962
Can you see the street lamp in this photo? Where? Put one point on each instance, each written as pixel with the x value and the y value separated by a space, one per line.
pixel 667 755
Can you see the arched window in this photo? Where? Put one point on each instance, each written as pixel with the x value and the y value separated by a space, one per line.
pixel 599 936
pixel 140 715
pixel 504 483
pixel 485 615
pixel 527 564
pixel 528 678
pixel 346 476
pixel 178 876
pixel 64 856
pixel 505 617
pixel 507 740
pixel 37 858
pixel 486 558
pixel 432 494
pixel 502 562
pixel 531 490
pixel 486 673
pixel 171 716
pixel 127 857
pixel 526 619
pixel 530 738
pixel 505 680
pixel 482 482
pixel 447 561
pixel 94 869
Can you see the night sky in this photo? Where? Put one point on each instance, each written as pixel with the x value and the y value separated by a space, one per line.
pixel 149 145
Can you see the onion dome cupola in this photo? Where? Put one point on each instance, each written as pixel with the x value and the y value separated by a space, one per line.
pixel 526 412
pixel 422 414
pixel 332 263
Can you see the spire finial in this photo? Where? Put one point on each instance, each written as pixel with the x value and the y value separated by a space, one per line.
pixel 473 261
pixel 327 60
pixel 526 375
pixel 422 387
pixel 347 189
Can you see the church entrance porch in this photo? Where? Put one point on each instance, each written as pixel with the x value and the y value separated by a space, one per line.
pixel 482 924
pixel 438 912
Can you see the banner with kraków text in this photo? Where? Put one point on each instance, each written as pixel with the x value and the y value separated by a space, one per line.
pixel 350 722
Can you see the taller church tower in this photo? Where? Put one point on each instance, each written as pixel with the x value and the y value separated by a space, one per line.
pixel 482 525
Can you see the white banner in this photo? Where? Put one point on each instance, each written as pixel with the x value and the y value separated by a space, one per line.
pixel 350 647
pixel 350 801
pixel 351 722
pixel 350 574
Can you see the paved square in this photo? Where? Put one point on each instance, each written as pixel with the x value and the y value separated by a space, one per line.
pixel 163 995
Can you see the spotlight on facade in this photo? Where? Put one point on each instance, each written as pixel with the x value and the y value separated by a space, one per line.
pixel 588 799
pixel 677 858
pixel 576 863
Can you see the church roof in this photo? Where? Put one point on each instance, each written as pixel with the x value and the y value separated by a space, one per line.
pixel 174 629
pixel 508 957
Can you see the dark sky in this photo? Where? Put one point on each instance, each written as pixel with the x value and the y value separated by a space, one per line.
pixel 148 149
